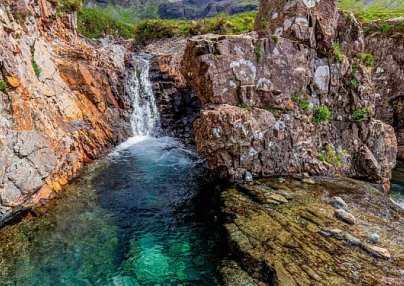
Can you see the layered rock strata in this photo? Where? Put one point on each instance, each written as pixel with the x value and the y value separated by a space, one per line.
pixel 61 103
pixel 289 232
pixel 293 99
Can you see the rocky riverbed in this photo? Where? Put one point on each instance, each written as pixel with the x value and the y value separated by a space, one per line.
pixel 304 231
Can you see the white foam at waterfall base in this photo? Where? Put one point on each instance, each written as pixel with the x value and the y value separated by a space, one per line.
pixel 145 120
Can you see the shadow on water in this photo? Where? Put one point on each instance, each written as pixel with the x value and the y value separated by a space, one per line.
pixel 143 216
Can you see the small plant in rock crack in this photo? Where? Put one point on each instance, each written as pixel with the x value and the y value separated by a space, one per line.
pixel 353 83
pixel 339 56
pixel 3 85
pixel 37 68
pixel 258 51
pixel 365 58
pixel 360 115
pixel 245 106
pixel 331 156
pixel 302 101
pixel 322 114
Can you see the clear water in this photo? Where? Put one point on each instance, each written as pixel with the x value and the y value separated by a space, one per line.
pixel 397 185
pixel 135 218
pixel 139 217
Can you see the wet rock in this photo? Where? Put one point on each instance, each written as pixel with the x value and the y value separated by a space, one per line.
pixel 234 275
pixel 248 177
pixel 345 216
pixel 339 203
pixel 308 181
pixel 299 243
pixel 352 240
pixel 373 238
pixel 377 251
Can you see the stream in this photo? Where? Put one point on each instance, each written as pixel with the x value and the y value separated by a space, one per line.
pixel 141 216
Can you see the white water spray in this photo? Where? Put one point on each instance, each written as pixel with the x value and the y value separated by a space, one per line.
pixel 145 118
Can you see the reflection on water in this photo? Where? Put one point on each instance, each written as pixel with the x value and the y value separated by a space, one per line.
pixel 397 184
pixel 131 220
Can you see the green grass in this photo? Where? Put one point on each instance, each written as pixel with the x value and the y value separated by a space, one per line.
pixel 322 114
pixel 330 156
pixel 302 101
pixel 365 58
pixel 95 23
pixel 37 68
pixel 245 106
pixel 3 85
pixel 339 56
pixel 360 115
pixel 382 9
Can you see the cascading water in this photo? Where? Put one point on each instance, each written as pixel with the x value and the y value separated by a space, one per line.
pixel 145 118
pixel 137 218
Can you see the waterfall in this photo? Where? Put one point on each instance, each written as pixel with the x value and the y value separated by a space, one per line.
pixel 145 118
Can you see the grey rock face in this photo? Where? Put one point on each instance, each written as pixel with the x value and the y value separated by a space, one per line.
pixel 260 96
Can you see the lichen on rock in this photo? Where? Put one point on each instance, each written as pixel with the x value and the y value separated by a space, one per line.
pixel 251 120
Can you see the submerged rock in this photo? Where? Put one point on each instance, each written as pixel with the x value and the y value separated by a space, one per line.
pixel 345 216
pixel 299 242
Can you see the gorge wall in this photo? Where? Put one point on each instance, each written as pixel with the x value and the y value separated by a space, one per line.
pixel 385 41
pixel 62 102
pixel 295 98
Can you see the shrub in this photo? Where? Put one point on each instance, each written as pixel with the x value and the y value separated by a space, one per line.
pixel 330 156
pixel 37 68
pixel 321 114
pixel 151 30
pixel 365 58
pixel 3 85
pixel 339 56
pixel 360 115
pixel 302 101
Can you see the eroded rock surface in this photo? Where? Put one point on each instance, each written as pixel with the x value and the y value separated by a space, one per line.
pixel 261 96
pixel 387 49
pixel 62 105
pixel 298 240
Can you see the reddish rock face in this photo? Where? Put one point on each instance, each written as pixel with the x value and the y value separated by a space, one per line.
pixel 261 97
pixel 63 105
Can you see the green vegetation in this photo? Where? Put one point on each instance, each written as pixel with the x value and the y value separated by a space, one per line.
pixel 3 85
pixel 69 4
pixel 381 9
pixel 37 68
pixel 353 83
pixel 360 115
pixel 92 23
pixel 322 114
pixel 302 101
pixel 245 106
pixel 95 23
pixel 330 156
pixel 258 51
pixel 339 56
pixel 365 58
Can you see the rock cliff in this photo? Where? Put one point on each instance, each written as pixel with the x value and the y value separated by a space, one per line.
pixel 295 98
pixel 385 41
pixel 62 102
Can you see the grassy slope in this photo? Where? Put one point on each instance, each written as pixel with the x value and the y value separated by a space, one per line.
pixel 96 22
